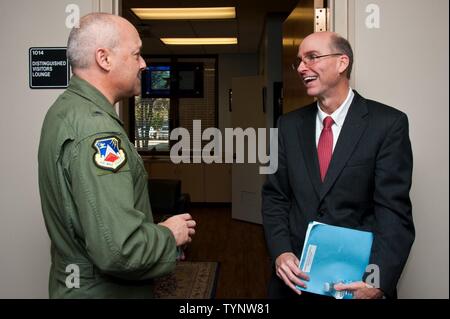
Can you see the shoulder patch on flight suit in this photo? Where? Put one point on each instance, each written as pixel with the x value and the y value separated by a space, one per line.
pixel 109 156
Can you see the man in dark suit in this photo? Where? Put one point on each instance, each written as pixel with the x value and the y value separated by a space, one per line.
pixel 345 161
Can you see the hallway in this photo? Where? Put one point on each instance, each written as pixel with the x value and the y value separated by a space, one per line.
pixel 239 247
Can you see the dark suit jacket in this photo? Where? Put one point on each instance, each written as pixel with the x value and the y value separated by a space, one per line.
pixel 366 187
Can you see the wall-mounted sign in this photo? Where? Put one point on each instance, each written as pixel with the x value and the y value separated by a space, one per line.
pixel 49 68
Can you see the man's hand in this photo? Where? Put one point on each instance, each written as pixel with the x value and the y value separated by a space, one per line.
pixel 286 266
pixel 182 227
pixel 361 290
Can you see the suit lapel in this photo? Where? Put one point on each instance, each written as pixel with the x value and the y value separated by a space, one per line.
pixel 352 130
pixel 307 136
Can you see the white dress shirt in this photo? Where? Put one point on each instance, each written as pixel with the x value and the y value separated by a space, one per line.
pixel 338 117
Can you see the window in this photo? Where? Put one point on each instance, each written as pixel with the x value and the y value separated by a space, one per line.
pixel 152 124
pixel 172 97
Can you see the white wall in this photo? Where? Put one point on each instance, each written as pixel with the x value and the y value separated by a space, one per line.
pixel 404 63
pixel 24 243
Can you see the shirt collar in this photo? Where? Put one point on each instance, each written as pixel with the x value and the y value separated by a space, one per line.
pixel 339 114
pixel 83 88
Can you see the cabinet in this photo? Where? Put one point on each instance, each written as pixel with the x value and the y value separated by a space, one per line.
pixel 208 183
pixel 217 179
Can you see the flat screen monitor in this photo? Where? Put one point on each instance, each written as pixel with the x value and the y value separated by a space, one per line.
pixel 177 80
pixel 156 81
pixel 189 79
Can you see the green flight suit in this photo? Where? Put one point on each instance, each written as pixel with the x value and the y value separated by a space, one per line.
pixel 97 213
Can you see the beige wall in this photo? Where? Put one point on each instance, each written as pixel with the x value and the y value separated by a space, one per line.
pixel 404 63
pixel 24 244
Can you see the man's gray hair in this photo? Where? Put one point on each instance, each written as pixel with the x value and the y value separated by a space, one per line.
pixel 341 45
pixel 97 30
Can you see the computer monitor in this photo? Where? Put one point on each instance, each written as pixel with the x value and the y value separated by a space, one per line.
pixel 156 81
pixel 175 80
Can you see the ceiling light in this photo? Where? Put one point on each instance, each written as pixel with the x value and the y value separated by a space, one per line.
pixel 185 13
pixel 199 41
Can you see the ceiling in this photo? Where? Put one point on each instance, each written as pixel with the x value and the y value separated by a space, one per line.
pixel 247 27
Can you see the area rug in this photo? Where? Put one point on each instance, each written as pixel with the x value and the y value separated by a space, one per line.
pixel 190 280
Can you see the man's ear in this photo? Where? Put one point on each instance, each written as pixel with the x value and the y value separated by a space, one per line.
pixel 344 62
pixel 103 58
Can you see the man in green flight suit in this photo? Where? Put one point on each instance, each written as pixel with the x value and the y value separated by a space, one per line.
pixel 93 184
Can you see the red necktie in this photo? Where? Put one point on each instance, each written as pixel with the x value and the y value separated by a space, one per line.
pixel 325 147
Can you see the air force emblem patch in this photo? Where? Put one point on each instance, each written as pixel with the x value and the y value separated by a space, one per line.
pixel 109 155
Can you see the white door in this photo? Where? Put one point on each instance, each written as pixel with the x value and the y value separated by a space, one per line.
pixel 247 112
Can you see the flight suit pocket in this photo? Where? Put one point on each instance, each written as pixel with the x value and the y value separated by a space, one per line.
pixel 72 269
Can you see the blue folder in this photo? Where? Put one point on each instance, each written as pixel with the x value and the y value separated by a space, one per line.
pixel 334 255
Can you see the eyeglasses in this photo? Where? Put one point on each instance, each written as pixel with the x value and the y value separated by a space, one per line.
pixel 310 59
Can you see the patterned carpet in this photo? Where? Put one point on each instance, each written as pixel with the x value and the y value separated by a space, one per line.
pixel 190 280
